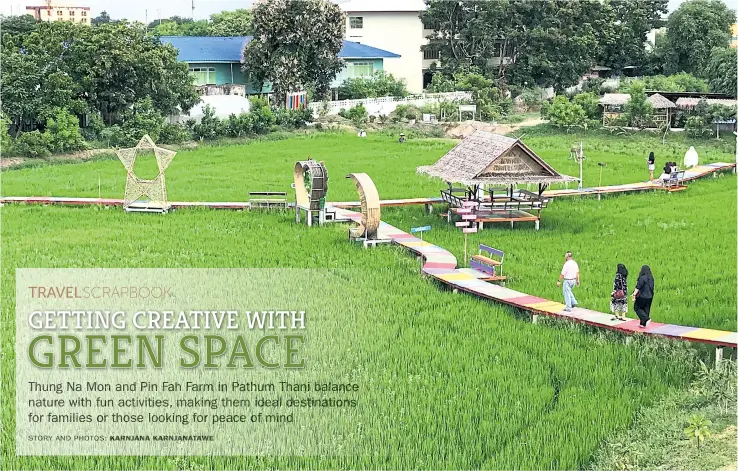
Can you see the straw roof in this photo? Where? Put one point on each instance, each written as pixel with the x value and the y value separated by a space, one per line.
pixel 689 102
pixel 486 158
pixel 615 99
pixel 660 102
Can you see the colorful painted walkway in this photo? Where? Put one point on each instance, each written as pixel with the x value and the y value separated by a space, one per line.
pixel 442 265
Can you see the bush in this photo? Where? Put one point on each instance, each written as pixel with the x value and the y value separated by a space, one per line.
pixel 531 98
pixel 62 132
pixel 95 126
pixel 6 143
pixel 141 119
pixel 401 112
pixel 590 103
pixel 358 115
pixel 545 106
pixel 209 126
pixel 593 85
pixel 638 109
pixel 441 83
pixel 565 114
pixel 378 85
pixel 174 133
pixel 33 144
pixel 293 119
pixel 697 128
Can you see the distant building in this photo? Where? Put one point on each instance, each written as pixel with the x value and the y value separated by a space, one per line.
pixel 216 61
pixel 393 25
pixel 734 38
pixel 60 12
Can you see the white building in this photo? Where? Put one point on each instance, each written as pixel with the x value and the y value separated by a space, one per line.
pixel 60 11
pixel 392 25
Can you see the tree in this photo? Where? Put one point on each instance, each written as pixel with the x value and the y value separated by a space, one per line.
pixel 101 19
pixel 104 69
pixel 177 26
pixel 548 42
pixel 378 85
pixel 295 46
pixel 721 70
pixel 624 38
pixel 590 103
pixel 638 109
pixel 564 114
pixel 231 23
pixel 17 26
pixel 694 29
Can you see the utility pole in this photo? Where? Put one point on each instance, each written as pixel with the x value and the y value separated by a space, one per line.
pixel 193 10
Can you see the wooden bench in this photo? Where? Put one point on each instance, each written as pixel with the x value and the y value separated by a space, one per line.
pixel 267 200
pixel 486 264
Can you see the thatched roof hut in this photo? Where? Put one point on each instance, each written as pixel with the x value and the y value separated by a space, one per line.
pixel 485 158
pixel 687 103
pixel 660 102
pixel 615 99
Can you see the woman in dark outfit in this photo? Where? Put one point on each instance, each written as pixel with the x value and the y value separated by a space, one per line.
pixel 643 295
pixel 619 295
pixel 651 165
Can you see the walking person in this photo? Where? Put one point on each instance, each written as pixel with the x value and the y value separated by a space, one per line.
pixel 619 295
pixel 570 277
pixel 651 165
pixel 643 295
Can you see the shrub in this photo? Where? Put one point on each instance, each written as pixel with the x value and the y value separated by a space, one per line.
pixel 6 144
pixel 358 115
pixel 401 112
pixel 141 119
pixel 95 126
pixel 590 103
pixel 545 106
pixel 593 85
pixel 531 98
pixel 262 116
pixel 378 85
pixel 174 133
pixel 565 114
pixel 209 126
pixel 62 132
pixel 33 144
pixel 293 119
pixel 696 127
pixel 638 109
pixel 440 83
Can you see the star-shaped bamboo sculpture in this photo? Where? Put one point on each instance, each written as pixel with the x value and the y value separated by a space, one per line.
pixel 155 189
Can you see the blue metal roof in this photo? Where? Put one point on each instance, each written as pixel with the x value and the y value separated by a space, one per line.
pixel 229 49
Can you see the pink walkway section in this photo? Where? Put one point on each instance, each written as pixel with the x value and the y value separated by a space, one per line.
pixel 441 265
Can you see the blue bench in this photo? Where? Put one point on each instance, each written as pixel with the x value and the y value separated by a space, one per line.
pixel 485 262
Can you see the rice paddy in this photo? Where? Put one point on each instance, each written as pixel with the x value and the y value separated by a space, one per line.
pixel 451 382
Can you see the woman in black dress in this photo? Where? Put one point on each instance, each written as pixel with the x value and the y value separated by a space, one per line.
pixel 619 295
pixel 643 295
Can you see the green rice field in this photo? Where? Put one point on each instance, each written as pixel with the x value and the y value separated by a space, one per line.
pixel 453 382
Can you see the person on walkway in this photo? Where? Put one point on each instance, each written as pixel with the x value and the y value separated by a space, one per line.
pixel 643 295
pixel 570 277
pixel 651 165
pixel 619 295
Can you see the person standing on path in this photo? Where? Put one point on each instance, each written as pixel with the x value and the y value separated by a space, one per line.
pixel 570 277
pixel 651 165
pixel 619 295
pixel 643 295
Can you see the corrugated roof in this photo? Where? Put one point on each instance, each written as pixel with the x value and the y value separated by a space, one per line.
pixel 475 161
pixel 230 48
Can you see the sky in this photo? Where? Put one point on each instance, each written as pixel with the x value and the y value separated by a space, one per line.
pixel 142 10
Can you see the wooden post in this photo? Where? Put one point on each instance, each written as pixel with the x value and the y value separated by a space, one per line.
pixel 718 357
pixel 534 318
pixel 465 236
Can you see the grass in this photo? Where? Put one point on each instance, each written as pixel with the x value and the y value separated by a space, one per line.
pixel 228 173
pixel 452 382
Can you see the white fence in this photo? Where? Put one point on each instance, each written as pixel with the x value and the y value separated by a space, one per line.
pixel 386 105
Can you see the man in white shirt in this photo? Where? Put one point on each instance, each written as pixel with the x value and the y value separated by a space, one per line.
pixel 570 277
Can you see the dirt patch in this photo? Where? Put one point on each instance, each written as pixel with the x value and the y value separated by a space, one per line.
pixel 463 129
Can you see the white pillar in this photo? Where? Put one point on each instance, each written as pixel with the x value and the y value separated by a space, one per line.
pixel 718 357
pixel 534 318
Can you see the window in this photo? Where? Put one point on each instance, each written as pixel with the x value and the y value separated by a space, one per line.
pixel 431 53
pixel 360 69
pixel 59 13
pixel 84 13
pixel 356 22
pixel 430 25
pixel 71 12
pixel 497 50
pixel 203 75
pixel 48 12
pixel 83 20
